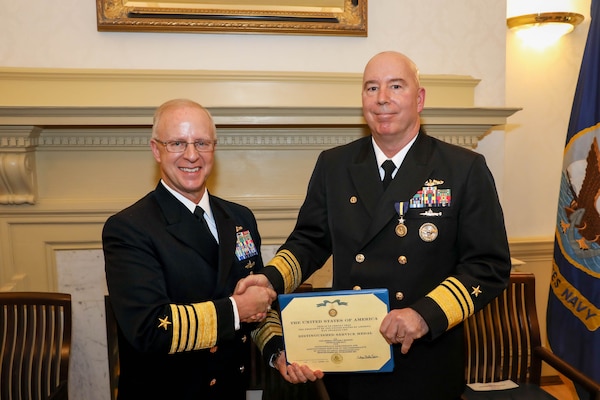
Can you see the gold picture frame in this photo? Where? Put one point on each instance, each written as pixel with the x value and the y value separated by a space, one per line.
pixel 303 17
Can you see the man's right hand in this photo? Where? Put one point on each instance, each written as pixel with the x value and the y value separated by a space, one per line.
pixel 252 280
pixel 254 302
pixel 296 373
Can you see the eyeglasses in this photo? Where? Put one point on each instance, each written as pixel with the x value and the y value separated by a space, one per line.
pixel 179 146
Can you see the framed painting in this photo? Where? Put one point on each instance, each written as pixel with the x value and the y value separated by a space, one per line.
pixel 304 17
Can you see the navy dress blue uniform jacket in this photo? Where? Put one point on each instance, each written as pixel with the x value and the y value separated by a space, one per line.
pixel 452 261
pixel 170 297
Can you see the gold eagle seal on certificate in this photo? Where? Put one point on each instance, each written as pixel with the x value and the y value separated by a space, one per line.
pixel 337 358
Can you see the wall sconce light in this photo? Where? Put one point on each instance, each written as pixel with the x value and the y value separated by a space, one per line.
pixel 545 28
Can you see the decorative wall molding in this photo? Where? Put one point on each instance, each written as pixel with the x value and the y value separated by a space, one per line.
pixel 52 87
pixel 18 179
pixel 455 118
pixel 260 127
pixel 23 130
pixel 533 250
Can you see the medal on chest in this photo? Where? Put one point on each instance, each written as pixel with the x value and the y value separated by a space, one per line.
pixel 401 207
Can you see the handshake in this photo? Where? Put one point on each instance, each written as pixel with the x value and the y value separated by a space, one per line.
pixel 253 296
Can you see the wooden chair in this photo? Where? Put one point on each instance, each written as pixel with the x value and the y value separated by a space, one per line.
pixel 112 341
pixel 503 343
pixel 35 335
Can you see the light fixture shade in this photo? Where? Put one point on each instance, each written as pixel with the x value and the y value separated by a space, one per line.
pixel 524 21
pixel 544 27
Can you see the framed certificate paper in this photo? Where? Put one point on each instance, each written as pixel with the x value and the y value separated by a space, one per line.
pixel 337 331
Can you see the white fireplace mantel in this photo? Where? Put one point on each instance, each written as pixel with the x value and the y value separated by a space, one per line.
pixel 74 147
pixel 25 129
pixel 238 116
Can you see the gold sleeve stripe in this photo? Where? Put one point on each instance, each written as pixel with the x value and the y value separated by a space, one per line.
pixel 269 328
pixel 184 317
pixel 454 300
pixel 194 327
pixel 176 324
pixel 207 325
pixel 289 268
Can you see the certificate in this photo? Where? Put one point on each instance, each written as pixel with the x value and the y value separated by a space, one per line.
pixel 337 331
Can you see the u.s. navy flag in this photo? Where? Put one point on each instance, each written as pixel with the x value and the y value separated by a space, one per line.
pixel 574 302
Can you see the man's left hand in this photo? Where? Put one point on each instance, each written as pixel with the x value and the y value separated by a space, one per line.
pixel 403 326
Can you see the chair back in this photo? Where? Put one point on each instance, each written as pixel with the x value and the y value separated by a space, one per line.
pixel 35 339
pixel 500 338
pixel 112 341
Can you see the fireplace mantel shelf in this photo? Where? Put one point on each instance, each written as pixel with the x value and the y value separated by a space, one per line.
pixel 27 130
pixel 140 116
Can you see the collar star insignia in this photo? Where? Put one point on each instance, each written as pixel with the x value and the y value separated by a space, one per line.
pixel 164 322
pixel 476 291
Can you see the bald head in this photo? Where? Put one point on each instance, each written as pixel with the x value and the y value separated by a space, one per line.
pixel 177 104
pixel 393 59
pixel 392 99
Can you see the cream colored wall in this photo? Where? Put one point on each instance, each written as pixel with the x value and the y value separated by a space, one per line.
pixel 41 34
pixel 542 82
pixel 37 34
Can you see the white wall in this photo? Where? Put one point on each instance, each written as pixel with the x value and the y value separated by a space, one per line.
pixel 543 84
pixel 443 36
pixel 466 37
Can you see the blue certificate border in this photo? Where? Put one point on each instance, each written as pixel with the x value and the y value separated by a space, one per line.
pixel 381 294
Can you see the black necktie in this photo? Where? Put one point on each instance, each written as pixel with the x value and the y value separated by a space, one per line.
pixel 389 167
pixel 199 213
pixel 208 241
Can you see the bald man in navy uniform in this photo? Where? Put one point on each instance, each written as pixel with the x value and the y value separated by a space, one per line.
pixel 432 233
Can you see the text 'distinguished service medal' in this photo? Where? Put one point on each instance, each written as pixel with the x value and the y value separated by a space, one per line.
pixel 401 208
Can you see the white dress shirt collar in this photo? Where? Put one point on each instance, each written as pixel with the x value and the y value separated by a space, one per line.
pixel 204 202
pixel 398 158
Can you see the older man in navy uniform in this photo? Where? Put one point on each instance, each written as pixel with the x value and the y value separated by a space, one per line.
pixel 403 211
pixel 172 262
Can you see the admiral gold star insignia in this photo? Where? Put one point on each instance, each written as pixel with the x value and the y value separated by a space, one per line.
pixel 164 322
pixel 476 291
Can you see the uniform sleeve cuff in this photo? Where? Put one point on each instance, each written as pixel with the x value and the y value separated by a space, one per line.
pixel 236 315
